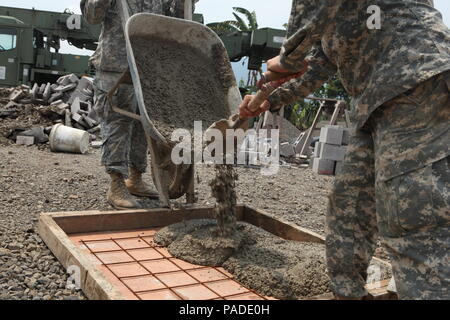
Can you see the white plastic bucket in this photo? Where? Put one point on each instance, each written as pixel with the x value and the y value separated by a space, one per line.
pixel 68 139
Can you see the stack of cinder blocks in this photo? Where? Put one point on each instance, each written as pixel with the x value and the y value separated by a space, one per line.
pixel 70 98
pixel 330 150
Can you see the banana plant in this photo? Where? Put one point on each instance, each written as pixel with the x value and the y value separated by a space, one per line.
pixel 239 24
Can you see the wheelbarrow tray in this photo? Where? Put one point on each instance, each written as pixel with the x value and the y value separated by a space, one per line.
pixel 173 181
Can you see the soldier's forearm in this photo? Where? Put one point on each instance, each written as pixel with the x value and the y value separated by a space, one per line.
pixel 316 19
pixel 294 91
pixel 175 8
pixel 94 11
pixel 320 71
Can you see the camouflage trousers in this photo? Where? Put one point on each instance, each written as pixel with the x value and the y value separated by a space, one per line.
pixel 394 186
pixel 124 141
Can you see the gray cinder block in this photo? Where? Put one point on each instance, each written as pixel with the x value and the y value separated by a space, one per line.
pixel 25 140
pixel 47 92
pixel 16 95
pixel 68 79
pixel 79 95
pixel 84 83
pixel 323 167
pixel 96 144
pixel 66 88
pixel 338 168
pixel 42 89
pixel 331 135
pixel 79 120
pixel 317 148
pixel 54 97
pixel 332 152
pixel 75 106
pixel 90 122
pixel 346 136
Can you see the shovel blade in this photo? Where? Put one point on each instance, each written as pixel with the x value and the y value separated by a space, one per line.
pixel 232 123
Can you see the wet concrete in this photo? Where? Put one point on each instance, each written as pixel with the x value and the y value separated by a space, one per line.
pixel 259 260
pixel 180 85
pixel 199 242
pixel 223 190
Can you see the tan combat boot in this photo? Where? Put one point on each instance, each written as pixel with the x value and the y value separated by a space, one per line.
pixel 136 186
pixel 118 195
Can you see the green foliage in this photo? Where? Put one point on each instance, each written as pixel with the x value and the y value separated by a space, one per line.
pixel 239 24
pixel 224 27
pixel 303 112
pixel 250 23
pixel 333 89
pixel 251 18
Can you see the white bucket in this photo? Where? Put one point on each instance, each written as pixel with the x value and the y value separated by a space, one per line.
pixel 68 139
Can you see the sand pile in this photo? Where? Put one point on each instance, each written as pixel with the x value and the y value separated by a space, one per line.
pixel 180 85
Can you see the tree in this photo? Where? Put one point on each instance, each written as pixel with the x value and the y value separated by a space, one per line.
pixel 302 113
pixel 250 23
pixel 239 24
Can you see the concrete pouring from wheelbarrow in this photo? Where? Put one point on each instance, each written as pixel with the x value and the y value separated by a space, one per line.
pixel 112 255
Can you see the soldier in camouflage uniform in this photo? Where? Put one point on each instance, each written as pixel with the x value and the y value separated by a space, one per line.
pixel 395 179
pixel 124 151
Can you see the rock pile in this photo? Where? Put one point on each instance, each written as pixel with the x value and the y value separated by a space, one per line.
pixel 68 101
pixel 70 98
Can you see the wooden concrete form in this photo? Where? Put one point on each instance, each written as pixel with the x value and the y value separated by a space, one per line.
pixel 55 229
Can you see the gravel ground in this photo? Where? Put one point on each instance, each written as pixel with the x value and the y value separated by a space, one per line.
pixel 35 180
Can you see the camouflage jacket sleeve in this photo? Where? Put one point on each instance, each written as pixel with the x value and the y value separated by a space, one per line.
pixel 295 19
pixel 94 11
pixel 320 70
pixel 313 18
pixel 175 8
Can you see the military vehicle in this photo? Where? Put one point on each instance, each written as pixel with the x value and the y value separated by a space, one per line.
pixel 30 41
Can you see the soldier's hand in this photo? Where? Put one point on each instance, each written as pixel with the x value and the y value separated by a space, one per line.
pixel 245 113
pixel 274 65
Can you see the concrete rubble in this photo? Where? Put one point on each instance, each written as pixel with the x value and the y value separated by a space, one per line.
pixel 68 101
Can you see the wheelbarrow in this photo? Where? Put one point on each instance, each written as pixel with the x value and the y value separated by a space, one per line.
pixel 171 180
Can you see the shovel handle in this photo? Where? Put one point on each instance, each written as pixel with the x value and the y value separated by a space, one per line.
pixel 270 76
pixel 239 124
pixel 275 76
pixel 268 84
pixel 261 96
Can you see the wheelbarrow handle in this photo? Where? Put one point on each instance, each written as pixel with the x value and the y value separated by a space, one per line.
pixel 124 11
pixel 124 79
pixel 269 82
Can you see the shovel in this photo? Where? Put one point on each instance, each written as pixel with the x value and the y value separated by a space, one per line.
pixel 268 84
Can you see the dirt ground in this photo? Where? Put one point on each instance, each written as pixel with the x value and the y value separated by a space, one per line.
pixel 35 180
